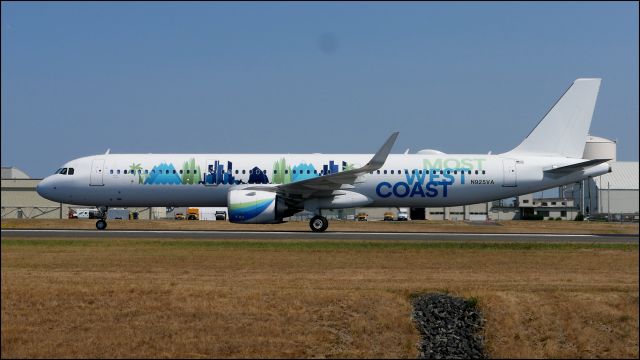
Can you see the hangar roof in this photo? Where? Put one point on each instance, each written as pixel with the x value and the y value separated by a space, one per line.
pixel 13 173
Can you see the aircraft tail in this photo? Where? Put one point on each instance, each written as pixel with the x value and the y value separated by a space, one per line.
pixel 563 130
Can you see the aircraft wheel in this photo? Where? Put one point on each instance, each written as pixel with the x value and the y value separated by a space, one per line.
pixel 319 223
pixel 101 224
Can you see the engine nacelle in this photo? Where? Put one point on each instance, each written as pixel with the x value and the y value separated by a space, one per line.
pixel 257 207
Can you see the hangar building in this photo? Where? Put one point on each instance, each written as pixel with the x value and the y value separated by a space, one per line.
pixel 21 201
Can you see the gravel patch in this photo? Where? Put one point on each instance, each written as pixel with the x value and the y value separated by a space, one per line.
pixel 450 327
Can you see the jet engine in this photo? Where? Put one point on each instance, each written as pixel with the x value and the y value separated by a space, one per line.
pixel 257 207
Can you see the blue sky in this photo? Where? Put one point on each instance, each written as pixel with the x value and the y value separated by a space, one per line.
pixel 78 78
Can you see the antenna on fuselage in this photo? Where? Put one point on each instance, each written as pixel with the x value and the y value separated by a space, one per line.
pixel 108 151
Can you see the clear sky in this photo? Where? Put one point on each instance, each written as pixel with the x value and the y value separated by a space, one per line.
pixel 78 78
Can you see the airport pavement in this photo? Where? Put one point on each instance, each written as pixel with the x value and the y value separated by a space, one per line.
pixel 308 235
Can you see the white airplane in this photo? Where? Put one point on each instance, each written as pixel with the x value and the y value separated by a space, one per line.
pixel 266 188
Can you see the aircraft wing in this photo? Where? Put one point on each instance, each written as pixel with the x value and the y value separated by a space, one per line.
pixel 326 185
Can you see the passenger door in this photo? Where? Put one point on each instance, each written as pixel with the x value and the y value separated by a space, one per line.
pixel 509 173
pixel 97 170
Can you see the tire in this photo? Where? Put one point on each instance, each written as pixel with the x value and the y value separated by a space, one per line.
pixel 101 224
pixel 318 223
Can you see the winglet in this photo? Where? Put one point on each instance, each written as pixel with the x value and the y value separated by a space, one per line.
pixel 380 157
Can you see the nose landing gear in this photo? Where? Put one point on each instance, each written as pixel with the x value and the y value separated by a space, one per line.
pixel 101 224
pixel 102 215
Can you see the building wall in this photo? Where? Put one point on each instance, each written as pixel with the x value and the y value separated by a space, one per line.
pixel 20 200
pixel 504 213
pixel 621 201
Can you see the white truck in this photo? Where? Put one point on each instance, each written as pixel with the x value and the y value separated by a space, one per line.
pixel 85 214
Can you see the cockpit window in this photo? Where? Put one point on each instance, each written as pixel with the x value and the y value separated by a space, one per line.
pixel 70 172
pixel 58 171
pixel 64 171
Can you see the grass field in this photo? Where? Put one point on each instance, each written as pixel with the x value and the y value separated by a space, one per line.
pixel 251 298
pixel 572 227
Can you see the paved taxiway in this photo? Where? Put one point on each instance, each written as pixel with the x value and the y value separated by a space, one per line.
pixel 303 235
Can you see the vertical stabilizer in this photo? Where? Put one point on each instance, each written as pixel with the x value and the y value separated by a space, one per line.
pixel 563 131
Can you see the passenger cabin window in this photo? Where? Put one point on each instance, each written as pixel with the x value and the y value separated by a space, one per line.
pixel 118 171
pixel 483 172
pixel 70 171
pixel 125 172
pixel 111 171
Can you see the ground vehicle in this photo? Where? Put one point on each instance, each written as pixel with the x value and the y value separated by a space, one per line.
pixel 362 217
pixel 87 214
pixel 221 215
pixel 121 214
pixel 193 214
pixel 388 216
pixel 403 216
pixel 179 216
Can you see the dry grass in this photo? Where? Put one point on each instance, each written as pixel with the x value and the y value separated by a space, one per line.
pixel 572 227
pixel 146 298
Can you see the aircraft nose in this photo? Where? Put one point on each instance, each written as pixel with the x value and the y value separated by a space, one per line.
pixel 46 188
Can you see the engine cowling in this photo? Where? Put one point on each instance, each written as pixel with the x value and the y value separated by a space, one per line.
pixel 257 207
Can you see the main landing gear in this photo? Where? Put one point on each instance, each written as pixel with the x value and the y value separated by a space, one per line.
pixel 102 214
pixel 319 223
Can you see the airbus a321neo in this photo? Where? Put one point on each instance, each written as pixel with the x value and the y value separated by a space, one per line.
pixel 266 188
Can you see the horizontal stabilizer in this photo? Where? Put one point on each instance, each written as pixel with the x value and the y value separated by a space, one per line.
pixel 577 166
